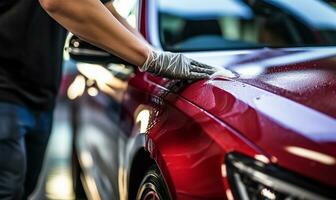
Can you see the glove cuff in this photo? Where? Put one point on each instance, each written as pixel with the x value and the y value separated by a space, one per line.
pixel 148 61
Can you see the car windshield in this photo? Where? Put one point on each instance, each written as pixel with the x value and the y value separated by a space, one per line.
pixel 196 25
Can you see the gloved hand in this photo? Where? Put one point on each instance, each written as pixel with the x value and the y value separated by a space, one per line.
pixel 175 66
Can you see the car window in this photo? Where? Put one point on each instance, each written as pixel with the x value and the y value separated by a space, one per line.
pixel 192 25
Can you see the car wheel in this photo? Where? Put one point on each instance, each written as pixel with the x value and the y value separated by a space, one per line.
pixel 153 186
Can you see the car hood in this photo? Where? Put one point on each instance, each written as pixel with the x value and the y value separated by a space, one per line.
pixel 283 101
pixel 307 76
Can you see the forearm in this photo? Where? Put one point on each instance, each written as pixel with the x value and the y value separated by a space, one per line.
pixel 93 22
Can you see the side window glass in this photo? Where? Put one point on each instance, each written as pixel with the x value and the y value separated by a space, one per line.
pixel 243 25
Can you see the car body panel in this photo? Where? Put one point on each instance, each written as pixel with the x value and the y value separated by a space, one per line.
pixel 290 141
pixel 287 110
pixel 305 75
pixel 184 140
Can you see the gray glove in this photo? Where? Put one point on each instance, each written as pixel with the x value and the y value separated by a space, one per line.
pixel 175 66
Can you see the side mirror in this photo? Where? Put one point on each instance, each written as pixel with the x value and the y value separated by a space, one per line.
pixel 81 51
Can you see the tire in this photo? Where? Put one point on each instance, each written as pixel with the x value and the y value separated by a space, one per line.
pixel 153 186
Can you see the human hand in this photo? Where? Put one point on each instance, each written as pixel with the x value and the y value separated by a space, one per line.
pixel 176 66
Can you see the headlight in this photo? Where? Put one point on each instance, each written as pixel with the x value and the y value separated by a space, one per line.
pixel 252 180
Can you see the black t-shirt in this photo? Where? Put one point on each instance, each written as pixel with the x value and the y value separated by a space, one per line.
pixel 31 54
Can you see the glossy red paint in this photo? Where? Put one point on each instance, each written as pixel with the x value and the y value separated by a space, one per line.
pixel 201 123
pixel 186 141
pixel 310 79
pixel 197 125
pixel 281 108
pixel 245 113
pixel 143 18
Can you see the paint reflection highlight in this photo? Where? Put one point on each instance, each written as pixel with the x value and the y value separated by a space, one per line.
pixel 311 155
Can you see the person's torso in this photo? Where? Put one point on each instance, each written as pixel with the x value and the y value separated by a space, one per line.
pixel 30 53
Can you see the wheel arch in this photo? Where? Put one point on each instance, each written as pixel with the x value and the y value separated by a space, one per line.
pixel 138 160
pixel 140 164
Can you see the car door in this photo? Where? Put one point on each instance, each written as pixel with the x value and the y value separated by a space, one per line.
pixel 97 92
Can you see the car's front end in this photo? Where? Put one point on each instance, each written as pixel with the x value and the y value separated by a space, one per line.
pixel 268 134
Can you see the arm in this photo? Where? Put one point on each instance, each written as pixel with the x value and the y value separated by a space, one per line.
pixel 93 22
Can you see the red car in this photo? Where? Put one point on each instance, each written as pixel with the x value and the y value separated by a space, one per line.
pixel 269 133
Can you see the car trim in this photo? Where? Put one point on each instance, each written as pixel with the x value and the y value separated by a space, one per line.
pixel 274 177
pixel 153 32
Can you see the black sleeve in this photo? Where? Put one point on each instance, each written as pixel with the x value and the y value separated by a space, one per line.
pixel 105 1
